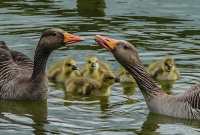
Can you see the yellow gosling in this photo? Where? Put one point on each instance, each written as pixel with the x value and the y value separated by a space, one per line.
pixel 127 81
pixel 164 70
pixel 90 87
pixel 94 68
pixel 62 70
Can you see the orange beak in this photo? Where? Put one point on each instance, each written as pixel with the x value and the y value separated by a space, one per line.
pixel 106 42
pixel 70 38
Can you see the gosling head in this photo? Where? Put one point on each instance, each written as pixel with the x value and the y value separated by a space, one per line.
pixel 54 38
pixel 123 51
pixel 168 64
pixel 92 63
pixel 70 65
pixel 109 78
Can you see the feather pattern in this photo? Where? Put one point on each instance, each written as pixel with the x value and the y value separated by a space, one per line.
pixel 192 97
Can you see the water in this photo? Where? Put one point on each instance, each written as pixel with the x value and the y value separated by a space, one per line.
pixel 156 27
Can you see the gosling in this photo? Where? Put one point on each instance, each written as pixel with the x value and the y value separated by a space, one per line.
pixel 89 87
pixel 164 70
pixel 127 82
pixel 63 70
pixel 125 76
pixel 94 68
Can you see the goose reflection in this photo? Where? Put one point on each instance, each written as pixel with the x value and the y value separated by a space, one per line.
pixel 91 8
pixel 36 111
pixel 153 122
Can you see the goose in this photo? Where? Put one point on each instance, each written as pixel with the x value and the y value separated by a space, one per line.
pixel 62 70
pixel 91 87
pixel 164 70
pixel 32 85
pixel 186 105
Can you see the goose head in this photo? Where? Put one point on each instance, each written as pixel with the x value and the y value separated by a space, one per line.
pixel 55 38
pixel 50 40
pixel 122 50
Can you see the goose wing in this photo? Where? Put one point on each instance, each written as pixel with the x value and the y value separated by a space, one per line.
pixel 8 68
pixel 19 58
pixel 22 60
pixel 11 74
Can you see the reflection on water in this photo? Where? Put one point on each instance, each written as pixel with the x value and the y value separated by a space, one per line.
pixel 102 101
pixel 22 113
pixel 154 123
pixel 91 8
pixel 156 28
pixel 128 88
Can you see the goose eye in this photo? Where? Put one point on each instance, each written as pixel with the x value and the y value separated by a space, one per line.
pixel 54 34
pixel 125 47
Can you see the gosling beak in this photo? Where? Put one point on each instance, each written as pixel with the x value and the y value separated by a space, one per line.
pixel 106 42
pixel 74 67
pixel 169 67
pixel 93 65
pixel 70 38
pixel 117 79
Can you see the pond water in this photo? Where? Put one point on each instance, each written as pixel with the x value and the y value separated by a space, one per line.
pixel 157 27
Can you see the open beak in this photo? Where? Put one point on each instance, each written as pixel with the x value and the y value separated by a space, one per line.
pixel 106 42
pixel 70 38
pixel 74 67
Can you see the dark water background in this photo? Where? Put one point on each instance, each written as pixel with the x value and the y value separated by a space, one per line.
pixel 157 27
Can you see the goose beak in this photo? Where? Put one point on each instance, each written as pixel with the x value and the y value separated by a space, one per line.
pixel 70 38
pixel 106 42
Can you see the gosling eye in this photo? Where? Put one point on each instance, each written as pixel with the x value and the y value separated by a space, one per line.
pixel 110 78
pixel 89 62
pixel 68 65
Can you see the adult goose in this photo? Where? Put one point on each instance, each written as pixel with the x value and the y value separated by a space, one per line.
pixel 15 84
pixel 186 105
